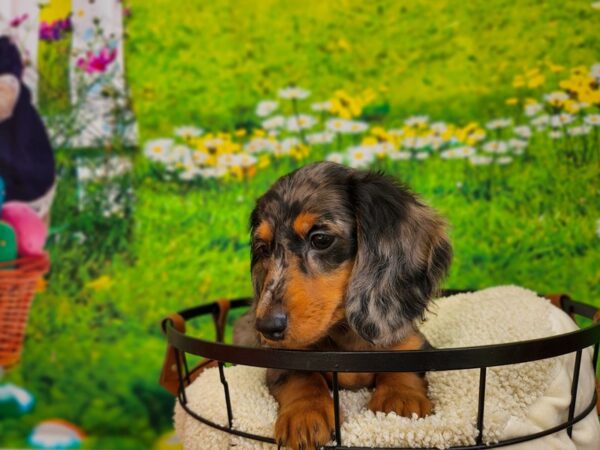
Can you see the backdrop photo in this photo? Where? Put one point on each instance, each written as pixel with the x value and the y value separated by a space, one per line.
pixel 169 119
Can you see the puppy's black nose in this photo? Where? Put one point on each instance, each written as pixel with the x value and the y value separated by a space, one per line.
pixel 272 326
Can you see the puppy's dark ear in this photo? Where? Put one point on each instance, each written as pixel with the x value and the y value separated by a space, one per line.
pixel 402 255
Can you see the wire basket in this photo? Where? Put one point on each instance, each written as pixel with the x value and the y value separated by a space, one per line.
pixel 176 374
pixel 18 281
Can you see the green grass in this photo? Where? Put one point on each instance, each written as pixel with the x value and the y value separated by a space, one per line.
pixel 210 62
pixel 93 356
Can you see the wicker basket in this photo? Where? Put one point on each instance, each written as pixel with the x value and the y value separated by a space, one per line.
pixel 18 281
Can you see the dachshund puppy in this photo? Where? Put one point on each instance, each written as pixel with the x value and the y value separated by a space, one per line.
pixel 344 260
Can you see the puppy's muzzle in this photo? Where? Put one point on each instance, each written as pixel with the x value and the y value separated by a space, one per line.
pixel 272 326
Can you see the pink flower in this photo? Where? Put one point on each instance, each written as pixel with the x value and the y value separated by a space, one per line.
pixel 97 63
pixel 18 20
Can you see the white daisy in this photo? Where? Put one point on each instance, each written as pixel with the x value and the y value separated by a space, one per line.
pixel 188 131
pixel 400 156
pixel 228 160
pixel 495 147
pixel 595 69
pixel 189 174
pixel 598 227
pixel 359 157
pixel 559 120
pixel 497 124
pixel 356 127
pixel 517 144
pixel 436 142
pixel 213 143
pixel 246 160
pixel 503 160
pixel 199 158
pixel 480 160
pixel 157 149
pixel 422 155
pixel 416 121
pixel 292 92
pixel 336 125
pixel 323 137
pixel 595 5
pixel 555 134
pixel 212 172
pixel 335 157
pixel 438 127
pixel 522 131
pixel 289 143
pixel 274 122
pixel 541 121
pixel 581 130
pixel 533 108
pixel 321 106
pixel 260 144
pixel 266 108
pixel 556 97
pixel 592 119
pixel 300 122
pixel 180 154
pixel 458 152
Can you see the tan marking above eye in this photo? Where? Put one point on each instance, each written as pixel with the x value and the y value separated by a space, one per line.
pixel 264 231
pixel 304 222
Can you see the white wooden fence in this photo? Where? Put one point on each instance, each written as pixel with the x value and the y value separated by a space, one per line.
pixel 20 20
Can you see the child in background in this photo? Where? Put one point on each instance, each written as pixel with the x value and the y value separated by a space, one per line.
pixel 26 157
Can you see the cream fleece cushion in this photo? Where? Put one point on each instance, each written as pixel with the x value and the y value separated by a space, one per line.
pixel 520 399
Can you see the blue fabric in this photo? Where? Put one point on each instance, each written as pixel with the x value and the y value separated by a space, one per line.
pixel 26 156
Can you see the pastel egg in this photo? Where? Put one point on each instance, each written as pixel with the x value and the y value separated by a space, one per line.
pixel 30 229
pixel 8 243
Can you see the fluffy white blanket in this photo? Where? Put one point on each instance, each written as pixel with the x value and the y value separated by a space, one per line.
pixel 520 399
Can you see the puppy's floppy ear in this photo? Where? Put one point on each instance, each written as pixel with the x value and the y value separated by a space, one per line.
pixel 402 255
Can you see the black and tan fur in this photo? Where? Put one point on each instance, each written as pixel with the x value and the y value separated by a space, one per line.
pixel 385 254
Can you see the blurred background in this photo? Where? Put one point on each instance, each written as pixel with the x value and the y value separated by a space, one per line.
pixel 168 121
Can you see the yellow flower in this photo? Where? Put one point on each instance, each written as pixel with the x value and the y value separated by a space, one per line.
pixel 263 161
pixel 241 132
pixel 259 133
pixel 536 81
pixel 343 44
pixel 512 101
pixel 518 81
pixel 369 140
pixel 555 68
pixel 100 284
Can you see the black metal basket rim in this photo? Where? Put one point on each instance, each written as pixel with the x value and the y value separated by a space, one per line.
pixel 385 361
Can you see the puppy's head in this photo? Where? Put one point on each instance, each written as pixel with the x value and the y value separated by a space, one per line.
pixel 330 242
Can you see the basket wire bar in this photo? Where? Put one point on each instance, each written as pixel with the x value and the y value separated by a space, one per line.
pixel 481 405
pixel 227 397
pixel 336 408
pixel 554 346
pixel 574 390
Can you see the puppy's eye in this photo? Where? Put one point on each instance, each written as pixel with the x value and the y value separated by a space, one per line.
pixel 320 241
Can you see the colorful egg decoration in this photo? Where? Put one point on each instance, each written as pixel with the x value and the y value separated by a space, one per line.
pixel 56 434
pixel 8 243
pixel 14 400
pixel 30 229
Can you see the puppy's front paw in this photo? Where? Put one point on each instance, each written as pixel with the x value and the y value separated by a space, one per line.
pixel 404 402
pixel 304 424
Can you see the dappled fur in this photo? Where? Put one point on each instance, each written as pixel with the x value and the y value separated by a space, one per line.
pixel 386 255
